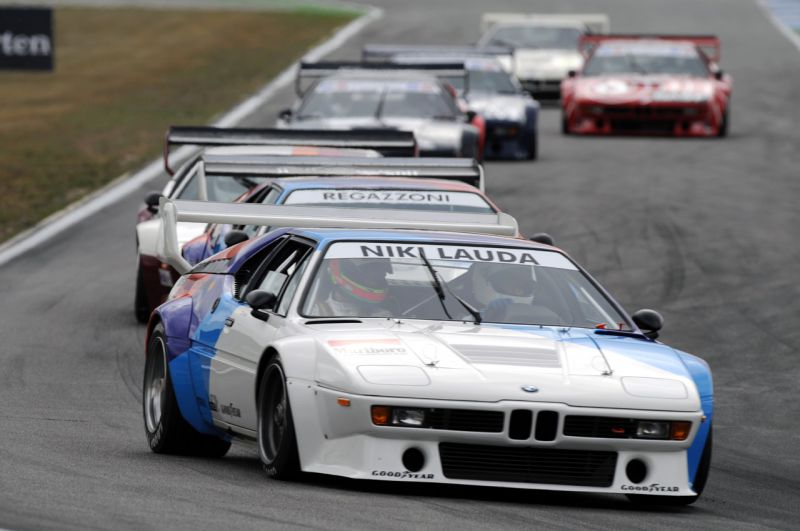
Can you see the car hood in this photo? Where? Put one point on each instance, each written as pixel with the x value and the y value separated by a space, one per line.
pixel 642 89
pixel 545 64
pixel 499 106
pixel 490 363
pixel 427 132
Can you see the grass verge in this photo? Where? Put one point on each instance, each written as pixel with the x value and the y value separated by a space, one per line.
pixel 122 77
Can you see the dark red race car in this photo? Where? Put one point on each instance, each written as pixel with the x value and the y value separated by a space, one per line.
pixel 647 84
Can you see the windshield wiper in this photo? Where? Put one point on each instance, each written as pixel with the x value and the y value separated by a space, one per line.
pixel 244 181
pixel 439 288
pixel 379 108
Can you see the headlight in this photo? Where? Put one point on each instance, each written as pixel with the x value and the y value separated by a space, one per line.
pixel 398 416
pixel 652 430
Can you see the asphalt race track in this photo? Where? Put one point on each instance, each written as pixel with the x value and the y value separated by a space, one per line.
pixel 706 231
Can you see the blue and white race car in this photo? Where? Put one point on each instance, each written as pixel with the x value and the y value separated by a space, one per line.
pixel 431 352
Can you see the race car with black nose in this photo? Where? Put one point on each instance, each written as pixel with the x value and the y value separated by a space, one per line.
pixel 648 84
pixel 510 113
pixel 224 146
pixel 384 95
pixel 421 347
pixel 545 45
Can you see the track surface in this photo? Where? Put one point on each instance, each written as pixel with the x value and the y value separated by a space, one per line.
pixel 705 231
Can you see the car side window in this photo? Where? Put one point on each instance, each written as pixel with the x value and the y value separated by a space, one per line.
pixel 246 271
pixel 268 199
pixel 283 266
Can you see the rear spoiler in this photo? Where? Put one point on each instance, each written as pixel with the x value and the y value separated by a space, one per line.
pixel 709 45
pixel 593 22
pixel 386 52
pixel 316 71
pixel 465 170
pixel 173 211
pixel 388 142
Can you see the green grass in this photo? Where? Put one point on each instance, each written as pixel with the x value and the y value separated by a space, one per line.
pixel 122 77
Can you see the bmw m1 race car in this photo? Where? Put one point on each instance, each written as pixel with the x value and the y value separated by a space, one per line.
pixel 386 95
pixel 648 84
pixel 510 114
pixel 545 45
pixel 419 347
pixel 153 278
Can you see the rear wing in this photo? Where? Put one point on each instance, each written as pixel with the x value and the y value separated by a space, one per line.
pixel 385 141
pixel 456 169
pixel 386 52
pixel 709 45
pixel 311 72
pixel 593 22
pixel 169 250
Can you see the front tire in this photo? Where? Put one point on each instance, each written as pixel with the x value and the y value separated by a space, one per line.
pixel 166 429
pixel 699 485
pixel 723 127
pixel 564 123
pixel 533 147
pixel 277 443
pixel 141 306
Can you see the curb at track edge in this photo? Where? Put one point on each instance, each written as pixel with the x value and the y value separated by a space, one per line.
pixel 126 184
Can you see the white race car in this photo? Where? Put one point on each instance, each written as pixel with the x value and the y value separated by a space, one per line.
pixel 419 347
pixel 545 45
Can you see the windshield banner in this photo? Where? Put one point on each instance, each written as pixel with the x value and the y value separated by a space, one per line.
pixel 460 253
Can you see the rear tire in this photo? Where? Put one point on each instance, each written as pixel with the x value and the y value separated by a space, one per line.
pixel 167 431
pixel 141 306
pixel 699 485
pixel 277 443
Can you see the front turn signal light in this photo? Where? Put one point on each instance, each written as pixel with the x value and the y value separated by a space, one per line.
pixel 380 415
pixel 680 430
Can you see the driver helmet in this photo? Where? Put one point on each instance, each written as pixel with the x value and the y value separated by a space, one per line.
pixel 360 280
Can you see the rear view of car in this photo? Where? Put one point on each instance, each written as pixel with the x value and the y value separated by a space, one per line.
pixel 648 84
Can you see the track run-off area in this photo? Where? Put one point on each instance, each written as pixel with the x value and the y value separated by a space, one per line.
pixel 705 231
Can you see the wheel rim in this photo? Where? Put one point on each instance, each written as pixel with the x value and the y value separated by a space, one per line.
pixel 155 385
pixel 274 414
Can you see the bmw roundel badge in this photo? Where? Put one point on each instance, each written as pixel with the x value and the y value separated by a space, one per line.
pixel 530 388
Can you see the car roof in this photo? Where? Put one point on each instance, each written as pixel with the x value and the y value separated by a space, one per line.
pixel 289 150
pixel 383 75
pixel 305 183
pixel 326 236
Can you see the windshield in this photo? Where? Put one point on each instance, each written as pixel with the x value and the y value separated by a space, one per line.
pixel 545 37
pixel 668 60
pixel 219 187
pixel 364 98
pixel 506 285
pixel 397 199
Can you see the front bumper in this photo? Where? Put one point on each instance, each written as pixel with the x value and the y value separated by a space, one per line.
pixel 669 120
pixel 507 140
pixel 343 441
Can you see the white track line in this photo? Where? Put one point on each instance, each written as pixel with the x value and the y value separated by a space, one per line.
pixel 788 32
pixel 123 186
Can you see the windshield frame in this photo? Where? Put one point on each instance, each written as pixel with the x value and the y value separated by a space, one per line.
pixel 301 296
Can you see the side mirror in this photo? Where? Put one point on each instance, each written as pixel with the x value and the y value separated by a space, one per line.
pixel 285 115
pixel 235 237
pixel 151 200
pixel 260 300
pixel 719 74
pixel 572 73
pixel 649 321
pixel 542 237
pixel 471 115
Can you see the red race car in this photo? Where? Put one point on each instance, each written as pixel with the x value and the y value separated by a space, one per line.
pixel 647 84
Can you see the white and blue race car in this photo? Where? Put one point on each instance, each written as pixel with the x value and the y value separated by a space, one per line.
pixel 438 351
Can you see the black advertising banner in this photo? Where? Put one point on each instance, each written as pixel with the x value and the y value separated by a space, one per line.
pixel 26 38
